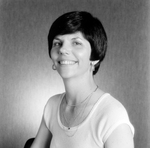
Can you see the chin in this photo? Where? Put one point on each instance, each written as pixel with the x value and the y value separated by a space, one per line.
pixel 72 74
pixel 66 74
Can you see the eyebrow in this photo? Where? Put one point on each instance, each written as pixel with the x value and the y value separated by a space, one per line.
pixel 56 38
pixel 74 38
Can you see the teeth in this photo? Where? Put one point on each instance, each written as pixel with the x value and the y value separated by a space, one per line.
pixel 67 62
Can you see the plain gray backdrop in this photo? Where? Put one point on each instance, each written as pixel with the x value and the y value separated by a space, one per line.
pixel 27 80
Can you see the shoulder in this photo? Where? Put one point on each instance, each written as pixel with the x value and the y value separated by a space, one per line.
pixel 119 131
pixel 52 104
pixel 51 107
pixel 113 110
pixel 54 100
pixel 113 114
pixel 111 106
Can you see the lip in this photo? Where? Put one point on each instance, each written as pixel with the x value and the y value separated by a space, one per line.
pixel 67 62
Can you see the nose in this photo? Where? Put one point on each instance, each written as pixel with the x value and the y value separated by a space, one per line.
pixel 64 50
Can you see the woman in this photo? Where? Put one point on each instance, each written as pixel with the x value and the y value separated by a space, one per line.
pixel 84 116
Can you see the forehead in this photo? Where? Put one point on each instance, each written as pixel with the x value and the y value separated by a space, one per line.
pixel 76 35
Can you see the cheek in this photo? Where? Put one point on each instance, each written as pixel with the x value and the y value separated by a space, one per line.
pixel 84 59
pixel 53 55
pixel 85 55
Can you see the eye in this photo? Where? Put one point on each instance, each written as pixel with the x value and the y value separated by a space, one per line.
pixel 76 43
pixel 57 44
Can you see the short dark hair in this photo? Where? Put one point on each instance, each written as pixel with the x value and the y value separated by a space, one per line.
pixel 91 28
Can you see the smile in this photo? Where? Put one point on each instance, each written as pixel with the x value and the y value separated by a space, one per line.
pixel 67 62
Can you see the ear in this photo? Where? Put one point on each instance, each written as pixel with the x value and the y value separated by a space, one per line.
pixel 95 62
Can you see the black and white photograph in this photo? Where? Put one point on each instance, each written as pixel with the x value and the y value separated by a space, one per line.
pixel 74 74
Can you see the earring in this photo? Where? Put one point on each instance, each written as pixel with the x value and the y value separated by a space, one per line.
pixel 53 67
pixel 93 63
pixel 92 66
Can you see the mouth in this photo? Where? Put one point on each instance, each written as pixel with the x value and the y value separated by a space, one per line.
pixel 67 62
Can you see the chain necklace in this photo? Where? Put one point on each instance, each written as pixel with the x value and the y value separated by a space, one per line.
pixel 74 105
pixel 70 133
pixel 81 113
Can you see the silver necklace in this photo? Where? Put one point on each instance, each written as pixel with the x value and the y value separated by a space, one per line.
pixel 70 133
pixel 81 113
pixel 74 105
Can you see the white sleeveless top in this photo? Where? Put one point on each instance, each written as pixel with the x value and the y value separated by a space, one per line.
pixel 106 115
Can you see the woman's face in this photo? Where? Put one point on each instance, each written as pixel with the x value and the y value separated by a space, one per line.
pixel 71 55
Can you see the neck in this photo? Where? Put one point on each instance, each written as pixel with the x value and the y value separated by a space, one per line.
pixel 77 89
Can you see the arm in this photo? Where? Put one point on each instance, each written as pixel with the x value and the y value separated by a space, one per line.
pixel 43 137
pixel 121 137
